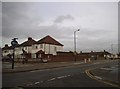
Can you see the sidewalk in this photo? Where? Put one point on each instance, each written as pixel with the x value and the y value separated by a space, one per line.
pixel 19 67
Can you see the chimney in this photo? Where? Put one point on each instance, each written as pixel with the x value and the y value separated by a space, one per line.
pixel 104 50
pixel 6 45
pixel 29 38
pixel 81 52
pixel 91 51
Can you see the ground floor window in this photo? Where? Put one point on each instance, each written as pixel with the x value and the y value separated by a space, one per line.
pixel 33 55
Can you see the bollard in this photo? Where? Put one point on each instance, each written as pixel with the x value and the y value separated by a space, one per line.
pixel 88 59
pixel 85 60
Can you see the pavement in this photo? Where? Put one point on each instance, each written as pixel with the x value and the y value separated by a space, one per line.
pixel 19 67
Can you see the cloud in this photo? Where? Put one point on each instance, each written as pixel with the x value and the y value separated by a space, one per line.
pixel 98 25
pixel 60 19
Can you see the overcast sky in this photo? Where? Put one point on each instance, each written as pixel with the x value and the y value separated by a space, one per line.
pixel 97 21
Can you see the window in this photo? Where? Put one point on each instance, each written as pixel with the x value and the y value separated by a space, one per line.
pixel 5 51
pixel 36 47
pixel 55 49
pixel 41 46
pixel 25 48
pixel 21 48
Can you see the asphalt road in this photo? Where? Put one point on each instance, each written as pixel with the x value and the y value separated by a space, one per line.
pixel 72 76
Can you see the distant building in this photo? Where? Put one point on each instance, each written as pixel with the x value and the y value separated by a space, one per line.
pixel 97 54
pixel 34 49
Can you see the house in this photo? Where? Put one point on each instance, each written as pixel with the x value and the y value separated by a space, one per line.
pixel 26 46
pixel 46 45
pixel 34 49
pixel 6 50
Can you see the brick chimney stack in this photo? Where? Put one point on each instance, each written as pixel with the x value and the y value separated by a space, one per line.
pixel 6 45
pixel 29 38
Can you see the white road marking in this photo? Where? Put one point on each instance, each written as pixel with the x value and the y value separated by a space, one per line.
pixel 36 82
pixel 51 79
pixel 61 77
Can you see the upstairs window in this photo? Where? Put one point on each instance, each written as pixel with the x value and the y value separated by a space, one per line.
pixel 25 48
pixel 36 47
pixel 55 49
pixel 5 51
pixel 41 46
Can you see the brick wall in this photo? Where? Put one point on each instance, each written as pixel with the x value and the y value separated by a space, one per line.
pixel 62 58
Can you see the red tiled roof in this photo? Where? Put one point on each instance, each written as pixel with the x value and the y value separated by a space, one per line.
pixel 29 42
pixel 7 47
pixel 49 40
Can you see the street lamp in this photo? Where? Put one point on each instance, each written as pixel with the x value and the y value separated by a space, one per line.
pixel 14 43
pixel 75 43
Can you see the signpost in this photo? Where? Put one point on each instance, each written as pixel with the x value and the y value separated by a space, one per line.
pixel 14 43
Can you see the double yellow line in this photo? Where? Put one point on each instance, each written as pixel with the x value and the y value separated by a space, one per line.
pixel 100 80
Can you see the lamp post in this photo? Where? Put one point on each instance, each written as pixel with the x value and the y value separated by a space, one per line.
pixel 14 43
pixel 75 43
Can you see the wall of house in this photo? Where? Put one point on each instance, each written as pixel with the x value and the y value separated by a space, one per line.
pixel 52 49
pixel 48 48
pixel 36 48
pixel 6 52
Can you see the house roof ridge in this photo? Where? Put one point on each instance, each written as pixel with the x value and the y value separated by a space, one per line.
pixel 49 40
pixel 29 42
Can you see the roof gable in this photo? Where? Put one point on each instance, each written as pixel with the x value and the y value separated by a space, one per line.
pixel 49 40
pixel 29 42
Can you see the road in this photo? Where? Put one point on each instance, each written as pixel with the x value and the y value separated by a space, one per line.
pixel 71 76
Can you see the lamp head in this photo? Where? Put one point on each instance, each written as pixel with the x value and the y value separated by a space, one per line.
pixel 78 30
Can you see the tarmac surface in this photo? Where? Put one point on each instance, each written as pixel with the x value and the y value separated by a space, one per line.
pixel 39 68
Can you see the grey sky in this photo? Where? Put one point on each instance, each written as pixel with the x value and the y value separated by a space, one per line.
pixel 98 22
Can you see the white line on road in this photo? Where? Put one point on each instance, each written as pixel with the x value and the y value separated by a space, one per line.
pixel 36 82
pixel 61 77
pixel 51 79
